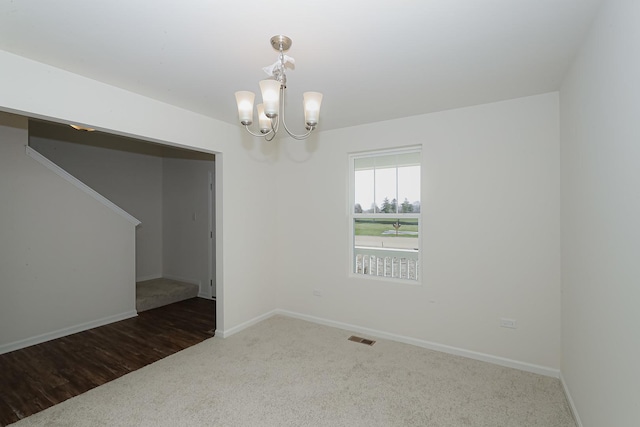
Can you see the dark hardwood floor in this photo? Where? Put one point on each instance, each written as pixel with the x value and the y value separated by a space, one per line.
pixel 40 376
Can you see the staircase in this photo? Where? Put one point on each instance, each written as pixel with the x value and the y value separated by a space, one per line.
pixel 158 292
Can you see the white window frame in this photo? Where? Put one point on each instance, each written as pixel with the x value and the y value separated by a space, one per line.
pixel 352 216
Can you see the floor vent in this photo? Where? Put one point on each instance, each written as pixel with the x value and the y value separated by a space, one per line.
pixel 361 340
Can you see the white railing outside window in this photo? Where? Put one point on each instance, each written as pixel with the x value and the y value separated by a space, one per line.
pixel 392 263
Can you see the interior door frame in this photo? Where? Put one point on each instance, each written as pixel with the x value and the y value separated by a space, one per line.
pixel 212 237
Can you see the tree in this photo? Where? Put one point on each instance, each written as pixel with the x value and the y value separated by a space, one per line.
pixel 394 206
pixel 386 207
pixel 373 209
pixel 358 208
pixel 416 207
pixel 406 206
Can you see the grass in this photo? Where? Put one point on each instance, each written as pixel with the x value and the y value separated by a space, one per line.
pixel 375 227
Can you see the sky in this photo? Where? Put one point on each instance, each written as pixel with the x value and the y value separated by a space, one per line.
pixel 381 183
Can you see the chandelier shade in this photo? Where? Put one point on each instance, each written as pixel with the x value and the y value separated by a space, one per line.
pixel 311 102
pixel 271 112
pixel 245 99
pixel 270 97
pixel 263 121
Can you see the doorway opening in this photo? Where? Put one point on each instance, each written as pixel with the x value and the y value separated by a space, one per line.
pixel 170 190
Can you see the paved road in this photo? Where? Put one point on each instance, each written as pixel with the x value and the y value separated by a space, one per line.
pixel 387 242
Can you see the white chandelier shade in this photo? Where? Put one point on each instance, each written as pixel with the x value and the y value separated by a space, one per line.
pixel 270 97
pixel 311 102
pixel 263 121
pixel 244 99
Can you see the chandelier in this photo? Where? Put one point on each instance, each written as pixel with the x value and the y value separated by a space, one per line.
pixel 270 111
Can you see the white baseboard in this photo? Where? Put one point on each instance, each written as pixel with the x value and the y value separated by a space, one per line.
pixel 523 366
pixel 38 339
pixel 572 406
pixel 245 325
pixel 496 360
pixel 151 277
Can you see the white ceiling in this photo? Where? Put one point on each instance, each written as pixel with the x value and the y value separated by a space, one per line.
pixel 373 60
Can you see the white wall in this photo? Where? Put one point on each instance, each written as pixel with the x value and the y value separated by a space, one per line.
pixel 186 221
pixel 490 234
pixel 244 168
pixel 58 270
pixel 128 174
pixel 249 234
pixel 490 203
pixel 600 111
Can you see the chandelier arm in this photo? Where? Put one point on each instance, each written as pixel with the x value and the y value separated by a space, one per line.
pixel 299 137
pixel 273 131
pixel 284 123
pixel 258 134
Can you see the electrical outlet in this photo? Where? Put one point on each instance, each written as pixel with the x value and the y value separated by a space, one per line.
pixel 508 323
pixel 317 292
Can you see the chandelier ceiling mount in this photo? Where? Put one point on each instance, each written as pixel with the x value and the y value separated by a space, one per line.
pixel 281 43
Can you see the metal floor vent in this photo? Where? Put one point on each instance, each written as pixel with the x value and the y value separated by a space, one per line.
pixel 361 340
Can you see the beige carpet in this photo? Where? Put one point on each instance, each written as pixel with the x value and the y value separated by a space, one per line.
pixel 287 372
pixel 159 292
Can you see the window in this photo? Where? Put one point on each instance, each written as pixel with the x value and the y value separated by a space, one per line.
pixel 385 214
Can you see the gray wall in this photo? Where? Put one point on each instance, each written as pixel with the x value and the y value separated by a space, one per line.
pixel 66 260
pixel 186 221
pixel 125 172
pixel 600 111
pixel 166 189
